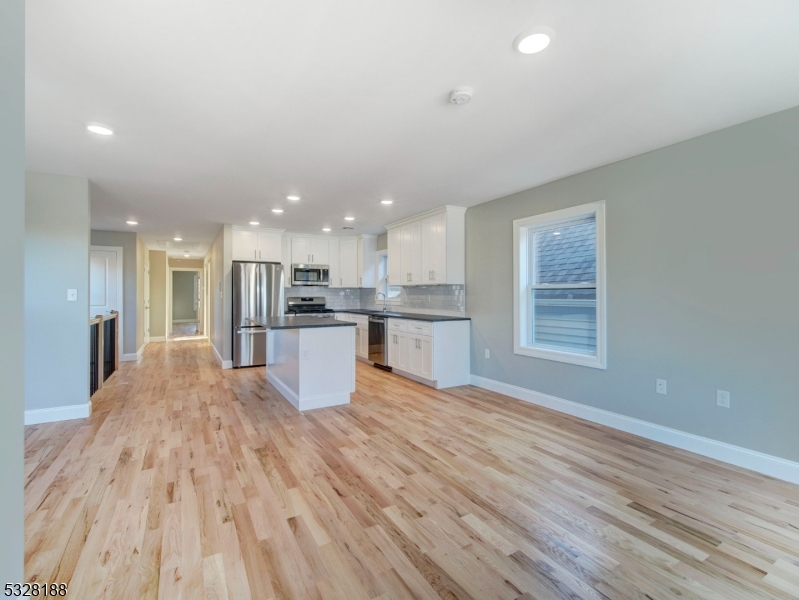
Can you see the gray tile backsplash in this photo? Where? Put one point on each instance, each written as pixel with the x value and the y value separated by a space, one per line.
pixel 433 299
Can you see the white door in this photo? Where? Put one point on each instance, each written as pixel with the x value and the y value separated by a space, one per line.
pixel 245 245
pixel 102 282
pixel 300 251
pixel 269 247
pixel 434 249
pixel 147 302
pixel 348 263
pixel 320 252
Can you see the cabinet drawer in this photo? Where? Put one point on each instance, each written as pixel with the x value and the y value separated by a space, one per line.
pixel 397 325
pixel 420 327
pixel 359 319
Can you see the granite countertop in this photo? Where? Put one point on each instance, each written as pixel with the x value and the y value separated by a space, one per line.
pixel 273 323
pixel 401 315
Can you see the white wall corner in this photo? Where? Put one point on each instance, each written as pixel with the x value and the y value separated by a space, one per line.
pixel 58 413
pixel 226 364
pixel 773 466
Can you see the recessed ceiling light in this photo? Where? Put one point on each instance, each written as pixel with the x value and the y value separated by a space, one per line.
pixel 534 40
pixel 185 256
pixel 132 222
pixel 277 210
pixel 178 239
pixel 292 197
pixel 100 129
pixel 254 223
pixel 386 202
pixel 556 233
pixel 325 228
pixel 349 218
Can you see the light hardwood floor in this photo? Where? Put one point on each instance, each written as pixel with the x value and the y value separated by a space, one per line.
pixel 192 482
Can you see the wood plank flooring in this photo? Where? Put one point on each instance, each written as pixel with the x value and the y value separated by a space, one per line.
pixel 192 482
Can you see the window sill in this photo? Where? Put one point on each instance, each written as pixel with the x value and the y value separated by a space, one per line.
pixel 595 362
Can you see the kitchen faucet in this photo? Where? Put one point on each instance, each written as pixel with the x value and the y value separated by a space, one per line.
pixel 385 300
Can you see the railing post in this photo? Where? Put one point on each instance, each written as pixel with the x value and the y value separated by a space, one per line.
pixel 100 351
pixel 117 325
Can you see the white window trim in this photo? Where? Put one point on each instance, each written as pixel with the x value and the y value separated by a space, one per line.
pixel 390 301
pixel 521 299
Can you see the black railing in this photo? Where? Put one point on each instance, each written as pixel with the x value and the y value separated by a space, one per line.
pixel 103 349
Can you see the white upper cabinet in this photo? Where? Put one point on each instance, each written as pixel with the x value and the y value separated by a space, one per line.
pixel 434 249
pixel 411 254
pixel 335 262
pixel 320 251
pixel 395 250
pixel 270 246
pixel 257 244
pixel 245 245
pixel 310 250
pixel 348 262
pixel 300 250
pixel 428 249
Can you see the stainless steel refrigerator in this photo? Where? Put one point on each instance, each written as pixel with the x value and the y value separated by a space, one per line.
pixel 257 292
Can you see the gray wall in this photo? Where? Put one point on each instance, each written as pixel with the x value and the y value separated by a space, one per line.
pixel 56 259
pixel 703 282
pixel 382 241
pixel 127 241
pixel 220 255
pixel 12 309
pixel 183 284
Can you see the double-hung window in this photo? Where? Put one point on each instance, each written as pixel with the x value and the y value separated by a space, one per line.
pixel 559 285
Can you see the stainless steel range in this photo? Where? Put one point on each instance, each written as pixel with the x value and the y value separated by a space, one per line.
pixel 310 306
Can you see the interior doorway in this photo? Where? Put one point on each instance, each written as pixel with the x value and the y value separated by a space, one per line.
pixel 105 285
pixel 186 304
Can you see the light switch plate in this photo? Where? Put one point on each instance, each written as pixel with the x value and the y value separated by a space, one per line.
pixel 72 295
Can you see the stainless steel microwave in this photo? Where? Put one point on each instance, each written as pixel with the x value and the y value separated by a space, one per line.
pixel 302 274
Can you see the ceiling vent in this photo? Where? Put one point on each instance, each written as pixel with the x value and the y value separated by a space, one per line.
pixel 170 245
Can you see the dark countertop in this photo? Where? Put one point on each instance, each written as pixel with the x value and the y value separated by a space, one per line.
pixel 273 323
pixel 400 315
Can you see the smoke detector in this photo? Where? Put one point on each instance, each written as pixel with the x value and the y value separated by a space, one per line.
pixel 461 95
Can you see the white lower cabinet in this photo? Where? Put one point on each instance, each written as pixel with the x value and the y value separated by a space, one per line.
pixel 361 333
pixel 434 353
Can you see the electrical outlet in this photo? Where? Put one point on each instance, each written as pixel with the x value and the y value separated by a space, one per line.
pixel 305 354
pixel 488 353
pixel 660 386
pixel 723 398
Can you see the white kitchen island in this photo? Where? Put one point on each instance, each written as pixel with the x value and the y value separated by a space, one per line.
pixel 310 360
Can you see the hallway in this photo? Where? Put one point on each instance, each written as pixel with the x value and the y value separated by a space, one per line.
pixel 189 481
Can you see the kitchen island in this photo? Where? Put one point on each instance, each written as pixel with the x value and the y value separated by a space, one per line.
pixel 310 360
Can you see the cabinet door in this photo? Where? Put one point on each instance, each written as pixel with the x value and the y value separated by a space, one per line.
pixel 269 247
pixel 411 258
pixel 395 256
pixel 403 354
pixel 335 271
pixel 421 362
pixel 348 263
pixel 434 249
pixel 393 349
pixel 320 252
pixel 362 341
pixel 300 250
pixel 426 360
pixel 245 245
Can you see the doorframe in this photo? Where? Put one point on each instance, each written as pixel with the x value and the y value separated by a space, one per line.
pixel 207 297
pixel 147 292
pixel 120 252
pixel 200 298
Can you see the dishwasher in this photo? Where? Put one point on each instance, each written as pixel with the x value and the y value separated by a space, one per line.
pixel 378 348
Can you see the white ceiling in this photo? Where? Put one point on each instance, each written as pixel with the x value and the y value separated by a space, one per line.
pixel 221 109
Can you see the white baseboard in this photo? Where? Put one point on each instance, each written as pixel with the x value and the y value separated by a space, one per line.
pixel 132 357
pixel 185 320
pixel 766 464
pixel 323 401
pixel 159 338
pixel 59 413
pixel 226 364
